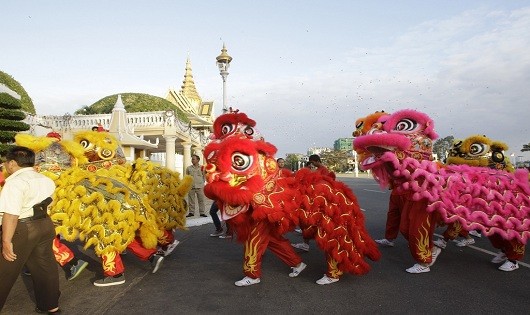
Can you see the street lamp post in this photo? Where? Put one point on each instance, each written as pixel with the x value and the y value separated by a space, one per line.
pixel 223 63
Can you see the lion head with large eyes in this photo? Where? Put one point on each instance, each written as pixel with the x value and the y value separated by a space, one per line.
pixel 101 149
pixel 407 133
pixel 239 163
pixel 479 150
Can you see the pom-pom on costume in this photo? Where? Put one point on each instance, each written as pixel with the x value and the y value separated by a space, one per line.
pixel 494 201
pixel 261 203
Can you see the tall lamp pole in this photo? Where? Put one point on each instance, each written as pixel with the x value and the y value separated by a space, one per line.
pixel 223 63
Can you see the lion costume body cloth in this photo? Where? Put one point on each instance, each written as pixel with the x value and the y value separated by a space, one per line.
pixel 262 202
pixel 481 151
pixel 494 201
pixel 106 202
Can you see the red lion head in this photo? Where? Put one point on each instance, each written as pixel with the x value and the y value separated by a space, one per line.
pixel 239 163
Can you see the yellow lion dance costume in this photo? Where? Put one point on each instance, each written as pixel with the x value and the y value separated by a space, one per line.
pixel 106 202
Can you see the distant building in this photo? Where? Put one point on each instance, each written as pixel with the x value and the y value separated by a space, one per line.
pixel 318 150
pixel 343 144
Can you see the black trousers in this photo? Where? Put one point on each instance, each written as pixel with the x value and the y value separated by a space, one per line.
pixel 32 243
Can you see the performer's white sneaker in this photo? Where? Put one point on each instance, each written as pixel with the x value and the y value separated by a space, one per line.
pixel 465 242
pixel 417 268
pixel 385 242
pixel 302 246
pixel 297 269
pixel 169 249
pixel 245 282
pixel 500 257
pixel 435 253
pixel 440 243
pixel 326 280
pixel 509 266
pixel 475 233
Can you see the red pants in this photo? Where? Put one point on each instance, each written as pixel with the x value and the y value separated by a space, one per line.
pixel 513 249
pixel 111 262
pixel 417 226
pixel 454 230
pixel 393 217
pixel 62 253
pixel 259 239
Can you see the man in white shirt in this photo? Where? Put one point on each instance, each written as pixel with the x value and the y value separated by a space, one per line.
pixel 27 230
pixel 196 193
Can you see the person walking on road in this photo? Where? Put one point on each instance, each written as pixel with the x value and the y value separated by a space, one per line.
pixel 27 230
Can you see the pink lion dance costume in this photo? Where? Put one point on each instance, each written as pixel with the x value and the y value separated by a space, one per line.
pixel 496 202
pixel 261 202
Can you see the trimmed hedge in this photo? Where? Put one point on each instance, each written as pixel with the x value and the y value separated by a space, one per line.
pixel 134 103
pixel 11 114
pixel 13 125
pixel 25 102
pixel 8 101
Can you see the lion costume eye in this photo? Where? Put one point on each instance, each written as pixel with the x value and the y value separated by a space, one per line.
pixel 241 162
pixel 106 154
pixel 84 143
pixel 406 125
pixel 249 131
pixel 227 129
pixel 478 149
pixel 497 156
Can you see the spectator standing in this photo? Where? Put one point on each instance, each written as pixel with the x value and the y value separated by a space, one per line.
pixel 196 194
pixel 216 222
pixel 27 230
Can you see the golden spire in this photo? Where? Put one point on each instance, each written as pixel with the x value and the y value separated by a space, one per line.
pixel 188 85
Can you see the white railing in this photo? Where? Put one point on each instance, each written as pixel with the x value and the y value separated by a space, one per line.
pixel 135 121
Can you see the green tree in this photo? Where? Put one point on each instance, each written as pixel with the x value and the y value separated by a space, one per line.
pixel 441 147
pixel 25 101
pixel 336 161
pixel 133 102
pixel 291 161
pixel 11 117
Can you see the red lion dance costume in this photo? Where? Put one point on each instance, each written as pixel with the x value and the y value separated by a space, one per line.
pixel 261 203
pixel 494 201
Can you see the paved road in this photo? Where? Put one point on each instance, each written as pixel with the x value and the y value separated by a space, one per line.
pixel 198 279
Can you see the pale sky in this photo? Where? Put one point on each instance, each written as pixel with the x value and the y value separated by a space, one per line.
pixel 304 70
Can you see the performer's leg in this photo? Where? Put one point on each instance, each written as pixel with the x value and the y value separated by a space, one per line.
pixel 393 217
pixel 215 218
pixel 255 246
pixel 497 241
pixel 333 271
pixel 166 239
pixel 514 249
pixel 420 231
pixel 452 231
pixel 282 248
pixel 404 223
pixel 112 264
pixel 112 269
pixel 62 253
pixel 139 250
